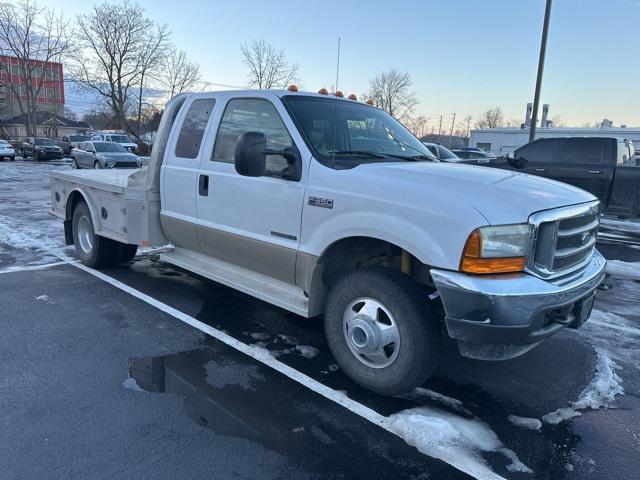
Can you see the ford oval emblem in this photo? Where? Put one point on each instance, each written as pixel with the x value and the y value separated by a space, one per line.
pixel 586 238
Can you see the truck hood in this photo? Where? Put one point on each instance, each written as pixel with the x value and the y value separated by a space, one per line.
pixel 501 196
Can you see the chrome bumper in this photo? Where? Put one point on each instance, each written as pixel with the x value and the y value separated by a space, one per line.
pixel 503 316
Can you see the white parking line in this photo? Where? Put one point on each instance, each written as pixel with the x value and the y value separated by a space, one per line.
pixel 263 356
pixel 34 267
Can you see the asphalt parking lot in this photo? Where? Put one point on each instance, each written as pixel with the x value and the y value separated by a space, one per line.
pixel 102 376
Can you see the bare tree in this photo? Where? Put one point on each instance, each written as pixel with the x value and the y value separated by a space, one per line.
pixel 116 48
pixel 490 118
pixel 268 66
pixel 178 73
pixel 466 126
pixel 153 51
pixel 513 122
pixel 34 35
pixel 392 92
pixel 416 125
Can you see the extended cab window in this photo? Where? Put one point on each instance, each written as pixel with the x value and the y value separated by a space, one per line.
pixel 540 151
pixel 582 150
pixel 252 115
pixel 193 126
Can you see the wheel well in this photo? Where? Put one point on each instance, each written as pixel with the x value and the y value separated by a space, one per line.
pixel 74 198
pixel 351 253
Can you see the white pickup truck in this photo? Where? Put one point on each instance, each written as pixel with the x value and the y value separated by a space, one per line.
pixel 328 206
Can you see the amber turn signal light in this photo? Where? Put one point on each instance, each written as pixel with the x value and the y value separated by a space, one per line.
pixel 472 262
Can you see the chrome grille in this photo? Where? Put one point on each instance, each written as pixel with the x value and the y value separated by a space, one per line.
pixel 565 239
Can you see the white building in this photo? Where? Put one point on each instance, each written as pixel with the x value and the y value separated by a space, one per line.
pixel 500 141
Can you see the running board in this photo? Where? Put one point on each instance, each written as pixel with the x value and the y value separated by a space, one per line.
pixel 255 284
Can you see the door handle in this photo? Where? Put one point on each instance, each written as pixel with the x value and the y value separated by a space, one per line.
pixel 542 169
pixel 203 185
pixel 595 172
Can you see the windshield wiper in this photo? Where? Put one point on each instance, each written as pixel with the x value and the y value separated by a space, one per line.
pixel 357 153
pixel 409 158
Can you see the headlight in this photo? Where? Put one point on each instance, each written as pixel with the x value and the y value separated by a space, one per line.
pixel 500 249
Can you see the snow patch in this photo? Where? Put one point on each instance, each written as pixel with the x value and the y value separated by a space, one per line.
pixel 619 268
pixel 524 422
pixel 131 384
pixel 259 335
pixel 43 298
pixel 600 392
pixel 307 351
pixel 456 440
pixel 450 402
pixel 288 339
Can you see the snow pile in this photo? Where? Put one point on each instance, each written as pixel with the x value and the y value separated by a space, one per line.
pixel 43 298
pixel 259 335
pixel 600 392
pixel 454 439
pixel 619 268
pixel 524 422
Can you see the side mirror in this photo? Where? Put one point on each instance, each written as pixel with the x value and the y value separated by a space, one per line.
pixel 250 158
pixel 517 162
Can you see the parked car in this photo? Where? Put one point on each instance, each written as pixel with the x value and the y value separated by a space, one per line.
pixel 7 151
pixel 69 142
pixel 41 149
pixel 602 166
pixel 441 153
pixel 328 206
pixel 473 154
pixel 103 155
pixel 120 138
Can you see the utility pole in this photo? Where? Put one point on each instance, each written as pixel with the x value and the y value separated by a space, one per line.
pixel 453 122
pixel 543 51
pixel 440 130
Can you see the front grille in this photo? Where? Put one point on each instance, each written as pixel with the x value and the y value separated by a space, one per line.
pixel 565 239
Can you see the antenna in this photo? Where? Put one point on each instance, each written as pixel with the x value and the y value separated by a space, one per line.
pixel 335 106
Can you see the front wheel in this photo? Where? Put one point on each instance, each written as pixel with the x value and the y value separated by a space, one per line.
pixel 382 330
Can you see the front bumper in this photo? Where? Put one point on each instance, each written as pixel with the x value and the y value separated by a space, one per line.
pixel 502 316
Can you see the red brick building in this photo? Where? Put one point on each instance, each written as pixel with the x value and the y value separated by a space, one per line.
pixel 51 97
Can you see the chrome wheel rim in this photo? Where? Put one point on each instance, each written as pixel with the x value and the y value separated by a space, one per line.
pixel 85 235
pixel 371 332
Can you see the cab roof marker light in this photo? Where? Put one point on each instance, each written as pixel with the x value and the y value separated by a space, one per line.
pixel 352 97
pixel 369 102
pixel 339 94
pixel 292 88
pixel 323 91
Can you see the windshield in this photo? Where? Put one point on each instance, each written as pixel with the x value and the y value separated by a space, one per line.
pixel 446 154
pixel 77 138
pixel 109 147
pixel 45 142
pixel 343 134
pixel 121 139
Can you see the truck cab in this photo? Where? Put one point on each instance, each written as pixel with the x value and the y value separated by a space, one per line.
pixel 326 206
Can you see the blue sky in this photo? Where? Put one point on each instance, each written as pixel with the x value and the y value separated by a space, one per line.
pixel 463 55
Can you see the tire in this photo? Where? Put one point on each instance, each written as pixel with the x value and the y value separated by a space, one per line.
pixel 24 154
pixel 411 360
pixel 12 158
pixel 126 252
pixel 96 165
pixel 93 250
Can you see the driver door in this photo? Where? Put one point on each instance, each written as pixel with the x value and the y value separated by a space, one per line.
pixel 252 222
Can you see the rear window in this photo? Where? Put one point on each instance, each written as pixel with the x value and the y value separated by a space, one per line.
pixel 193 126
pixel 582 150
